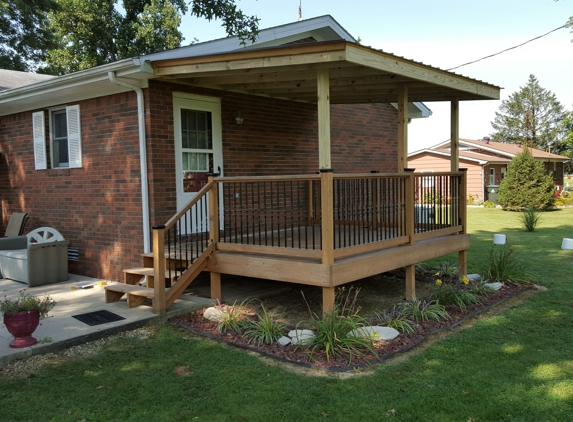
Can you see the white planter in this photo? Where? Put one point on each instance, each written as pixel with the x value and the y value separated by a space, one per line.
pixel 567 243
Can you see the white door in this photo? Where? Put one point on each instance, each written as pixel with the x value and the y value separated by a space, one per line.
pixel 198 143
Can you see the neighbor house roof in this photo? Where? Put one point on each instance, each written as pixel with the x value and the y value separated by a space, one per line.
pixel 274 67
pixel 487 152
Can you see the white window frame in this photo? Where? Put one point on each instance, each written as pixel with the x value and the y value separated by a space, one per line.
pixel 74 138
pixel 427 182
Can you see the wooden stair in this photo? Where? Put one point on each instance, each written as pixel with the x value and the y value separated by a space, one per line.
pixel 137 295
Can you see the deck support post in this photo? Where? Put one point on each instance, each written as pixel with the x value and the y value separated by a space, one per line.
pixel 410 205
pixel 323 99
pixel 463 255
pixel 216 286
pixel 410 281
pixel 455 135
pixel 327 222
pixel 402 128
pixel 214 233
pixel 159 300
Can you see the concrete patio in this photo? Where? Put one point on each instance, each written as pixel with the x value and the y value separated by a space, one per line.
pixel 61 331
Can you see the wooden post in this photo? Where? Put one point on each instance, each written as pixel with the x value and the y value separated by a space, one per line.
pixel 402 128
pixel 310 206
pixel 214 233
pixel 323 99
pixel 410 206
pixel 463 255
pixel 410 282
pixel 159 302
pixel 455 136
pixel 327 222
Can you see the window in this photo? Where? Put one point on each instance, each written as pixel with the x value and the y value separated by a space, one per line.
pixel 65 138
pixel 503 170
pixel 428 182
pixel 492 176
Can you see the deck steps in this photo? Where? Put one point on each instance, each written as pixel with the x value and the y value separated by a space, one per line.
pixel 133 276
pixel 176 260
pixel 136 295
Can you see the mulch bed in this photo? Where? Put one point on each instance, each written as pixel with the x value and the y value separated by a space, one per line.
pixel 385 349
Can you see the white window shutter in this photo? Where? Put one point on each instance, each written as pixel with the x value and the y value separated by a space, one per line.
pixel 39 141
pixel 74 136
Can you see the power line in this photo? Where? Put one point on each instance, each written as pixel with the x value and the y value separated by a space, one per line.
pixel 507 49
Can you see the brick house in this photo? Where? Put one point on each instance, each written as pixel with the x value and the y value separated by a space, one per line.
pixel 486 162
pixel 105 154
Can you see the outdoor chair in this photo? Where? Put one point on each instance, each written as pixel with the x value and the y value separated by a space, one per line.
pixel 41 257
pixel 16 224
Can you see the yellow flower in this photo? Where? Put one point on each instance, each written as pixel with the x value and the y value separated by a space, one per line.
pixel 438 282
pixel 465 280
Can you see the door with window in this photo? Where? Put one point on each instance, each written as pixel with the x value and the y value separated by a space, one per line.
pixel 198 144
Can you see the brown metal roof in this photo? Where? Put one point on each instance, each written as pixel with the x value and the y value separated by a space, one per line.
pixel 512 149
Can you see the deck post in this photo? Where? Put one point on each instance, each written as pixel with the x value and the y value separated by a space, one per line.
pixel 410 205
pixel 410 282
pixel 455 135
pixel 327 222
pixel 402 128
pixel 215 278
pixel 323 99
pixel 159 301
pixel 463 255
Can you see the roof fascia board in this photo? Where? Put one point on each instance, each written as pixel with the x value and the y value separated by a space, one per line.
pixel 416 110
pixel 389 63
pixel 269 37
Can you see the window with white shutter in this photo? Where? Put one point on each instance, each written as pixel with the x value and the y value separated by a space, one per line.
pixel 40 162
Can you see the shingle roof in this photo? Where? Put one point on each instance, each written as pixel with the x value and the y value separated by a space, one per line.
pixel 14 79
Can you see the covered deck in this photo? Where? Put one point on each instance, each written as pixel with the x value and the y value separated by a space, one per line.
pixel 324 229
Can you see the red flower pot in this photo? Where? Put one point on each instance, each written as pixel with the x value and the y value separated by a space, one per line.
pixel 21 325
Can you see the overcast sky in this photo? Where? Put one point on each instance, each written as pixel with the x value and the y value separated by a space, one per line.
pixel 444 34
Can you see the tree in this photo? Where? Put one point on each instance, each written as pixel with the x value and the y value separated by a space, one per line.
pixel 24 38
pixel 96 32
pixel 526 184
pixel 565 147
pixel 532 115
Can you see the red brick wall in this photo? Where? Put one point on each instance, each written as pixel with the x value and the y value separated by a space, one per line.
pixel 98 207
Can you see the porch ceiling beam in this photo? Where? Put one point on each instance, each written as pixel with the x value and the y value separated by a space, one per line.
pixel 396 65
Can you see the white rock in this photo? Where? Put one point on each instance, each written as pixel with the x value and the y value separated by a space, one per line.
pixel 299 333
pixel 375 332
pixel 474 277
pixel 213 314
pixel 284 341
pixel 493 286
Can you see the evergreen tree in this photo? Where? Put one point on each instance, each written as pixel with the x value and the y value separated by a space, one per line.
pixel 526 184
pixel 532 115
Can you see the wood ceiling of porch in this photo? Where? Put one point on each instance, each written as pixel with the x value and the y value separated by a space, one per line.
pixel 357 75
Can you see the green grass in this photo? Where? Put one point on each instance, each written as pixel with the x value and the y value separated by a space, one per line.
pixel 517 366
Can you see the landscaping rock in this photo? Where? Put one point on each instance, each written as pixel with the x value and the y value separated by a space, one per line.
pixel 494 286
pixel 301 336
pixel 213 314
pixel 375 332
pixel 474 278
pixel 284 341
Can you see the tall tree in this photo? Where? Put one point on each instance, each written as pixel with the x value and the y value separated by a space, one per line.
pixel 96 32
pixel 532 115
pixel 24 38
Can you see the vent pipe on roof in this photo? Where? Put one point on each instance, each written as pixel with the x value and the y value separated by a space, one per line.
pixel 486 139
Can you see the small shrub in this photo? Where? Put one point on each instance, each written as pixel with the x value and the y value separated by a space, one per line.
pixel 232 317
pixel 264 328
pixel 489 204
pixel 446 269
pixel 480 288
pixel 449 294
pixel 478 202
pixel 396 318
pixel 424 310
pixel 503 264
pixel 529 218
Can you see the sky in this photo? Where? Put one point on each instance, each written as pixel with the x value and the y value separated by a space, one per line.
pixel 443 34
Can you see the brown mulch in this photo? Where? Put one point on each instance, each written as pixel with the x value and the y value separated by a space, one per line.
pixel 385 349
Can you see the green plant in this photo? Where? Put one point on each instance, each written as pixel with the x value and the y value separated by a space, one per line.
pixel 480 288
pixel 265 328
pixel 396 318
pixel 489 204
pixel 232 317
pixel 449 294
pixel 471 198
pixel 26 302
pixel 503 264
pixel 446 269
pixel 529 218
pixel 424 310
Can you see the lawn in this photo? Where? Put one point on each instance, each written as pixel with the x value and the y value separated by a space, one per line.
pixel 516 366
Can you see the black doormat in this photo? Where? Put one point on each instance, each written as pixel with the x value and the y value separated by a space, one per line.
pixel 98 317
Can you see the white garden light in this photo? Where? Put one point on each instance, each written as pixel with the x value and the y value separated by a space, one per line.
pixel 499 239
pixel 567 243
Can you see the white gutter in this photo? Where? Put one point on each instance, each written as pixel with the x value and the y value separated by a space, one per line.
pixel 142 158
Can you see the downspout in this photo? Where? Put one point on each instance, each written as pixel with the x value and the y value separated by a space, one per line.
pixel 142 158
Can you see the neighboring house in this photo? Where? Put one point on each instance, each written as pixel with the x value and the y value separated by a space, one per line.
pixel 486 162
pixel 105 154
